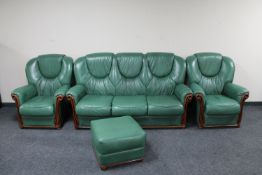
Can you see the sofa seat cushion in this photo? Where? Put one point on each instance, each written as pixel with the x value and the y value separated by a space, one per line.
pixel 117 134
pixel 129 105
pixel 38 106
pixel 219 104
pixel 94 105
pixel 164 106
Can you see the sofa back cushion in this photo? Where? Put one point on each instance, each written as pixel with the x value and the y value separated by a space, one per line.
pixel 49 72
pixel 93 71
pixel 130 73
pixel 211 71
pixel 165 70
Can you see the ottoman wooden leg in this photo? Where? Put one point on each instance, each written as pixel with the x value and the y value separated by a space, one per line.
pixel 103 167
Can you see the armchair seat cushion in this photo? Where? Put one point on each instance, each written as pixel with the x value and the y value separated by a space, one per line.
pixel 219 104
pixel 164 105
pixel 38 106
pixel 129 105
pixel 94 105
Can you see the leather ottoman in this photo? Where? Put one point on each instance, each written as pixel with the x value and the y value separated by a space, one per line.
pixel 117 141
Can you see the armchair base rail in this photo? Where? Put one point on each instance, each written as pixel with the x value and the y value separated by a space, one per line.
pixel 201 115
pixel 57 123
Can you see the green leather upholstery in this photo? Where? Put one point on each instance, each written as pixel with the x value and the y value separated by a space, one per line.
pixel 198 91
pixel 133 105
pixel 234 91
pixel 38 106
pixel 164 105
pixel 181 91
pixel 25 93
pixel 94 105
pixel 49 78
pixel 113 147
pixel 220 102
pixel 62 90
pixel 130 78
pixel 77 92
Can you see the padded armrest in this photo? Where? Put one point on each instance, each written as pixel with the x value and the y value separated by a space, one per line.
pixel 182 91
pixel 62 90
pixel 61 93
pixel 77 92
pixel 235 91
pixel 24 93
pixel 198 90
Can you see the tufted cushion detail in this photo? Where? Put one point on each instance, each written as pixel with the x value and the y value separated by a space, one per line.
pixel 211 71
pixel 126 62
pixel 160 64
pixel 50 65
pixel 209 63
pixel 125 74
pixel 100 64
pixel 49 72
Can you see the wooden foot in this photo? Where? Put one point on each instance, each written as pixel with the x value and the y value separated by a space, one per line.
pixel 103 168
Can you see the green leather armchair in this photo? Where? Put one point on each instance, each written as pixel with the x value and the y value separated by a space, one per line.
pixel 149 87
pixel 219 101
pixel 39 103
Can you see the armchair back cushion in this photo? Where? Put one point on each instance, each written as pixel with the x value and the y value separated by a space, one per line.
pixel 127 74
pixel 211 71
pixel 49 72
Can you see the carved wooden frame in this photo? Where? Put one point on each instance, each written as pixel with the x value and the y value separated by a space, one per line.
pixel 201 116
pixel 71 100
pixel 57 119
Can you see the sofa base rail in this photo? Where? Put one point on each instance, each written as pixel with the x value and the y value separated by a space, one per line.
pixel 148 127
pixel 144 121
pixel 57 115
pixel 182 124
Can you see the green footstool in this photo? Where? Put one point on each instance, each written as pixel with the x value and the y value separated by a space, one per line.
pixel 117 141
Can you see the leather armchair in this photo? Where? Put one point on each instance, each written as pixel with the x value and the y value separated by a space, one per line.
pixel 39 103
pixel 219 101
pixel 149 87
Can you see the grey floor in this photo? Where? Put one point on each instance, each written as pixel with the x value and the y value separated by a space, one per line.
pixel 188 151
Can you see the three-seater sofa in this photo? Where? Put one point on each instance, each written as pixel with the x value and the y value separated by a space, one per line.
pixel 149 87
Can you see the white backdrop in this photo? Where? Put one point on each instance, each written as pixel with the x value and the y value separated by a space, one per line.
pixel 76 27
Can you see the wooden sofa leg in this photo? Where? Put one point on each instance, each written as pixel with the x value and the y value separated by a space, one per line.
pixel 104 168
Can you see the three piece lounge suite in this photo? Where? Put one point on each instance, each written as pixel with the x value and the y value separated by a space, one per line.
pixel 148 89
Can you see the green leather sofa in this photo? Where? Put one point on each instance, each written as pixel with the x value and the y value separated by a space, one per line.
pixel 219 101
pixel 39 103
pixel 149 87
